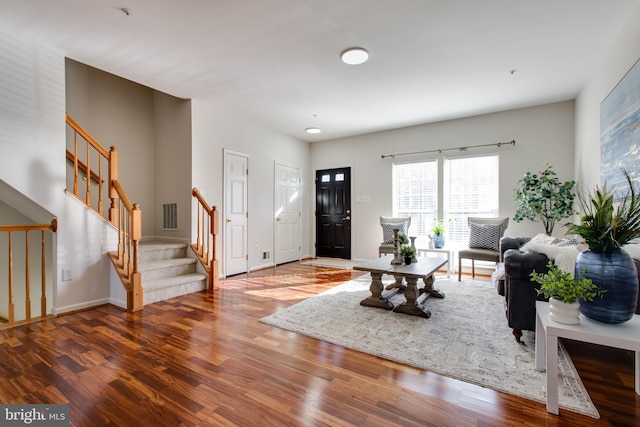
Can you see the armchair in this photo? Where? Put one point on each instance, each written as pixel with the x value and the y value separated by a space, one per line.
pixel 484 241
pixel 388 224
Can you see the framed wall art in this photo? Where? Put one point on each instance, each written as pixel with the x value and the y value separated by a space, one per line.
pixel 620 131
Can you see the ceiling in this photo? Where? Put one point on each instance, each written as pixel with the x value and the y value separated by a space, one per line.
pixel 278 60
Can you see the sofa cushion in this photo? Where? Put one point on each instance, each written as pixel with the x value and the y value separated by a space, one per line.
pixel 485 236
pixel 387 230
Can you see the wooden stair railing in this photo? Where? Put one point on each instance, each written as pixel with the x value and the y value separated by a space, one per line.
pixel 206 240
pixel 11 230
pixel 125 216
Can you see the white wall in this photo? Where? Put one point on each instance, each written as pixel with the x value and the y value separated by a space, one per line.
pixel 216 127
pixel 544 135
pixel 612 67
pixel 32 142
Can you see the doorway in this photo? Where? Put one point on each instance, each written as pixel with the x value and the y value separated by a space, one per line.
pixel 333 213
pixel 236 255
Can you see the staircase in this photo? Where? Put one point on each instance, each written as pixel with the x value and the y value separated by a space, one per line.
pixel 167 272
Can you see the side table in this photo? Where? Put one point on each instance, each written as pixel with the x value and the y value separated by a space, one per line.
pixel 624 336
pixel 447 252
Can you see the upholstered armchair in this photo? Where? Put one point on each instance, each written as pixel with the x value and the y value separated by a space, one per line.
pixel 388 224
pixel 484 241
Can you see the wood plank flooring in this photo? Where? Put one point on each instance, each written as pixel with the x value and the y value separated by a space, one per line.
pixel 203 360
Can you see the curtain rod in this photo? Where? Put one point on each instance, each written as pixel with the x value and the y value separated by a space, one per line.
pixel 440 150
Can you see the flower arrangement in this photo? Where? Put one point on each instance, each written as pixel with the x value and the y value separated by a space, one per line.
pixel 439 227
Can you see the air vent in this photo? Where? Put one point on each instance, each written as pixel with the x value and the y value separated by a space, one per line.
pixel 169 216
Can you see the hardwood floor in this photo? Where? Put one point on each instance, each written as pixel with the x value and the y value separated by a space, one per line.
pixel 204 360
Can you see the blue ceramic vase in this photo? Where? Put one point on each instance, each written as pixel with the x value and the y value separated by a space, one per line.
pixel 615 272
pixel 438 241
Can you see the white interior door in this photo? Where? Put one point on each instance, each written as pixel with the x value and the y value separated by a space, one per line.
pixel 287 214
pixel 235 213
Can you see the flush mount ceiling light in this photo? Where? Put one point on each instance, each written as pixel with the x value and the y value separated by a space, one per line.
pixel 354 56
pixel 313 130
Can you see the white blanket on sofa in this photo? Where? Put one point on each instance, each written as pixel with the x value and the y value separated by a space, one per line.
pixel 564 257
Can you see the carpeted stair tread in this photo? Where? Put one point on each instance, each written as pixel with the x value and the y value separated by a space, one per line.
pixel 152 265
pixel 168 282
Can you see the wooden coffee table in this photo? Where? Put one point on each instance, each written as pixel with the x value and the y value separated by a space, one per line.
pixel 423 269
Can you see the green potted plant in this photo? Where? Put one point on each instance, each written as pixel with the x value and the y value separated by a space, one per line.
pixel 607 225
pixel 543 197
pixel 564 292
pixel 408 253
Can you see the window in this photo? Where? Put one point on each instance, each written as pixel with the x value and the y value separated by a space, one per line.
pixel 471 189
pixel 465 186
pixel 415 194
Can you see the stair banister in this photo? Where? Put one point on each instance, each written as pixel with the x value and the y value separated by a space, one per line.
pixel 124 215
pixel 206 240
pixel 26 228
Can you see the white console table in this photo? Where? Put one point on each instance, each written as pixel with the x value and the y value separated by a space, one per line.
pixel 624 336
pixel 446 251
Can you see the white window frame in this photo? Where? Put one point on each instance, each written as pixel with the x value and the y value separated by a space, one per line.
pixel 456 222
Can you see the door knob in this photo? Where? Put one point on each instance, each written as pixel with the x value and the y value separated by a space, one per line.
pixel 228 219
pixel 278 219
pixel 346 218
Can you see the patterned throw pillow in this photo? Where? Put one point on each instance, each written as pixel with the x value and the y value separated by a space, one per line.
pixel 485 236
pixel 387 230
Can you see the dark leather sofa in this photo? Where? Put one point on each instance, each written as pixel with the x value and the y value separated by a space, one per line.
pixel 519 291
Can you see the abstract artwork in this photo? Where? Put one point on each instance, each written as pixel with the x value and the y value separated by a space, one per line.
pixel 620 131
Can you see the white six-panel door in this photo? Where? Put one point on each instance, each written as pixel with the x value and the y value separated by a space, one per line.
pixel 287 214
pixel 235 213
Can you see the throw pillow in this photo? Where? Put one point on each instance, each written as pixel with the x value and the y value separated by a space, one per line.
pixel 387 230
pixel 485 236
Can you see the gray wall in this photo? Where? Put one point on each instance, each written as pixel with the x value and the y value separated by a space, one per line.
pixel 152 132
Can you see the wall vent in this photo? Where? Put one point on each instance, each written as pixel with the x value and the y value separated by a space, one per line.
pixel 169 216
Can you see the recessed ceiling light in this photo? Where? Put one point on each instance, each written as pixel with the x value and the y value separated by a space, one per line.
pixel 313 130
pixel 354 56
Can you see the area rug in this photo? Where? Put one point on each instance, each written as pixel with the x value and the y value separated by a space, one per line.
pixel 344 264
pixel 466 338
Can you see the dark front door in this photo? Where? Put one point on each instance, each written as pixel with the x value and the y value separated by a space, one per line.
pixel 333 213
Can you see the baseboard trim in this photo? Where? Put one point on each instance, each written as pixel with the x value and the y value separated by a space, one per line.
pixel 56 311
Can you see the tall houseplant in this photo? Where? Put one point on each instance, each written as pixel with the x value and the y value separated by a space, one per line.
pixel 543 197
pixel 607 225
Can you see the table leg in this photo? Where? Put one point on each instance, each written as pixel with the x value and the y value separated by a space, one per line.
pixel 541 347
pixel 637 372
pixel 411 305
pixel 397 284
pixel 428 288
pixel 376 299
pixel 448 264
pixel 552 373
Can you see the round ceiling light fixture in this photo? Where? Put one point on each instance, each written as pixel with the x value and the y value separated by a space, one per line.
pixel 354 56
pixel 313 130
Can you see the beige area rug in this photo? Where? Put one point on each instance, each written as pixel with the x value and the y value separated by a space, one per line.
pixel 344 264
pixel 466 337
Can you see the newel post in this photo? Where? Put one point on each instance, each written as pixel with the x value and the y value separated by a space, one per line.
pixel 114 216
pixel 135 298
pixel 213 271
